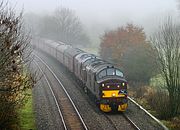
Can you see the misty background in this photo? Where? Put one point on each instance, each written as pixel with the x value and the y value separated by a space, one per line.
pixel 141 37
pixel 98 16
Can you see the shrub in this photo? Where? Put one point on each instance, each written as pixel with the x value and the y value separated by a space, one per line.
pixel 159 101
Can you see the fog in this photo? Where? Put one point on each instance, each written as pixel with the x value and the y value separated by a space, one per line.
pixel 98 16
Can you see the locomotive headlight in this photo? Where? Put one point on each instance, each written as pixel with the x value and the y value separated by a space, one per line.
pixel 113 95
pixel 102 85
pixel 123 84
pixel 108 86
pixel 118 86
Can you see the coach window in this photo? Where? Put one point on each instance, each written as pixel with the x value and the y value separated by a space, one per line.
pixel 111 71
pixel 119 73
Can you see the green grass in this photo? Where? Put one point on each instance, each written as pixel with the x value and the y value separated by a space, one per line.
pixel 27 117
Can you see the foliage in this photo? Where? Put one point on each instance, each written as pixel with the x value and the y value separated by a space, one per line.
pixel 115 43
pixel 14 79
pixel 138 64
pixel 127 47
pixel 166 42
pixel 159 101
pixel 156 101
pixel 173 124
pixel 27 118
pixel 63 25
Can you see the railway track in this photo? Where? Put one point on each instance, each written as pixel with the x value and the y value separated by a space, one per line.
pixel 159 125
pixel 112 123
pixel 136 122
pixel 112 118
pixel 69 114
pixel 131 122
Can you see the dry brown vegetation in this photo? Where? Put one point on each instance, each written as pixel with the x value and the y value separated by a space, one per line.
pixel 127 48
pixel 156 101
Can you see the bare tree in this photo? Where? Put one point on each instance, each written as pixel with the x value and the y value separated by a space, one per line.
pixel 48 28
pixel 64 26
pixel 31 21
pixel 15 80
pixel 166 42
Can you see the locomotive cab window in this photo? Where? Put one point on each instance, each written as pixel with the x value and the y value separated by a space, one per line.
pixel 102 74
pixel 119 73
pixel 111 71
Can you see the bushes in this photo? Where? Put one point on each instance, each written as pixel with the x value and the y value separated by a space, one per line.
pixel 153 99
pixel 159 101
pixel 14 78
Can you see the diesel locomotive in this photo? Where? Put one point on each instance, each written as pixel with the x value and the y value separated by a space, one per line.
pixel 103 81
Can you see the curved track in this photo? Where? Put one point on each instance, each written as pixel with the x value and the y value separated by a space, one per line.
pixel 54 97
pixel 131 122
pixel 134 120
pixel 113 117
pixel 70 116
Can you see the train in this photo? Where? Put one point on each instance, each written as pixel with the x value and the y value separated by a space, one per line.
pixel 100 79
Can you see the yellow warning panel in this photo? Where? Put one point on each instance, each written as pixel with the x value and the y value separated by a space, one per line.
pixel 111 93
pixel 105 108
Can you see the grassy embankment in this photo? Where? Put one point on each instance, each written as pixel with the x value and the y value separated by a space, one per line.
pixel 27 117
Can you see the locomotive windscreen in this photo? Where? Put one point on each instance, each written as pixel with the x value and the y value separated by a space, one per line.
pixel 109 72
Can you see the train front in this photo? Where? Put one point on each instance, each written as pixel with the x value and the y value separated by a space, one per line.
pixel 112 90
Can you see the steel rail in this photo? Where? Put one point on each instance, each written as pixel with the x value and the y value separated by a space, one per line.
pixel 74 106
pixel 132 123
pixel 54 97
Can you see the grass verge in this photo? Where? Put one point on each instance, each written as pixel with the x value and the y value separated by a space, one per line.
pixel 27 117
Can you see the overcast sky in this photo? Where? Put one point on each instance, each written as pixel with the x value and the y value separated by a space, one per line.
pixel 107 13
pixel 104 11
pixel 99 5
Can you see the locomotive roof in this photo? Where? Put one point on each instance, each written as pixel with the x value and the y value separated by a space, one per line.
pixel 82 56
pixel 98 65
pixel 89 60
pixel 95 62
pixel 96 69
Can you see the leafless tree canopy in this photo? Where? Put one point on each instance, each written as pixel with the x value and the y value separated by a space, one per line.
pixel 167 44
pixel 64 26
